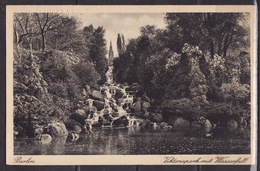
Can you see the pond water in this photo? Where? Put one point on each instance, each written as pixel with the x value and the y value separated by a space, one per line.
pixel 133 140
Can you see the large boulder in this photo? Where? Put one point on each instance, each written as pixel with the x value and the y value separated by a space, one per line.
pixel 45 138
pixel 77 129
pixel 88 90
pixel 135 87
pixel 70 123
pixel 146 105
pixel 127 89
pixel 39 131
pixel 155 117
pixel 179 122
pixel 84 92
pixel 119 94
pixel 122 121
pixel 232 125
pixel 99 105
pixel 81 112
pixel 206 126
pixel 96 95
pixel 163 124
pixel 149 125
pixel 120 101
pixel 89 109
pixel 57 129
pixel 115 114
pixel 143 123
pixel 78 118
pixel 137 106
pixel 98 123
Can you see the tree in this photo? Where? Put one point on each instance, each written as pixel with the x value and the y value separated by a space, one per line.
pixel 37 30
pixel 119 45
pixel 245 68
pixel 97 49
pixel 47 22
pixel 123 43
pixel 188 81
pixel 24 30
pixel 67 37
pixel 216 32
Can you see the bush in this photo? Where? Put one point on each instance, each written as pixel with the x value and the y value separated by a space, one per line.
pixel 221 112
pixel 185 108
pixel 58 88
pixel 235 93
pixel 86 73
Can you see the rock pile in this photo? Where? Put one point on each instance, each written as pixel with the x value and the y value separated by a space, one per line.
pixel 110 105
pixel 54 129
pixel 107 105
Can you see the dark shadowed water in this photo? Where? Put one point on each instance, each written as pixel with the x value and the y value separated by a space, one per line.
pixel 132 140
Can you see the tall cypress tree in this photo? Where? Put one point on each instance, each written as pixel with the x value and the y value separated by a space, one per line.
pixel 119 45
pixel 123 43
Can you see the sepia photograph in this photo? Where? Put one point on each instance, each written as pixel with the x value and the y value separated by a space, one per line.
pixel 170 84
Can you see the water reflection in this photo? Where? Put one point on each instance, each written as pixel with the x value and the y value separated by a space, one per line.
pixel 133 140
pixel 106 141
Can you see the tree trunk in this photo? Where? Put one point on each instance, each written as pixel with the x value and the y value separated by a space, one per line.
pixel 225 48
pixel 39 44
pixel 43 42
pixel 219 48
pixel 212 52
pixel 225 53
pixel 31 49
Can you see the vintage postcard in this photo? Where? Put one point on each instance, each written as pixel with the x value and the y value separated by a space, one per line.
pixel 131 85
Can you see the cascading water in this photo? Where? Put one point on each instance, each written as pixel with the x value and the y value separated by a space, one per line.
pixel 115 101
pixel 109 74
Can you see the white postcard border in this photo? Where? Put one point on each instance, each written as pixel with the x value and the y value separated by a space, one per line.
pixel 11 159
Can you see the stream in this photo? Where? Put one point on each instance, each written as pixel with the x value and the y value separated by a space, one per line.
pixel 133 141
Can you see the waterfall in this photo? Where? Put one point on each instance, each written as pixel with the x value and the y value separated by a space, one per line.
pixel 90 102
pixel 109 74
pixel 110 103
pixel 134 122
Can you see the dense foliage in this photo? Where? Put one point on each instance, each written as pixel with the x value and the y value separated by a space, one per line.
pixel 53 61
pixel 198 65
pixel 199 62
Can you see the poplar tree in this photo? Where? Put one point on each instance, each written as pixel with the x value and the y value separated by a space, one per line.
pixel 119 45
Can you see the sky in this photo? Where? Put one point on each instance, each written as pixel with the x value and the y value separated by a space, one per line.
pixel 128 24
